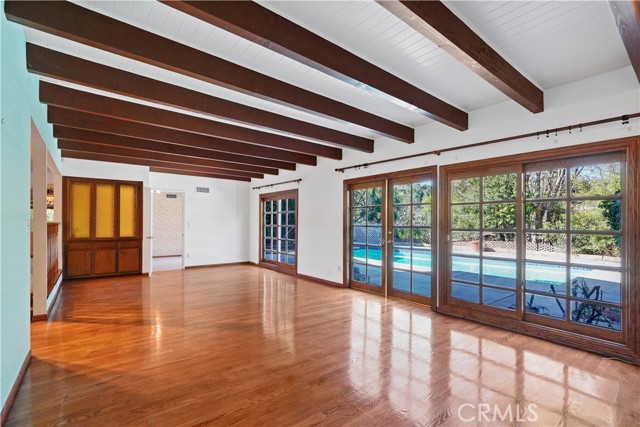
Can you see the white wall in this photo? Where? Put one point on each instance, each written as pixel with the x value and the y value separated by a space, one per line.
pixel 320 192
pixel 19 105
pixel 105 170
pixel 216 230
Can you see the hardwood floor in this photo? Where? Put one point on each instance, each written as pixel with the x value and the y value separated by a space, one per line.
pixel 240 345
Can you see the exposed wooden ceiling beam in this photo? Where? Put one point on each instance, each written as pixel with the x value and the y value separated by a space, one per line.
pixel 72 99
pixel 436 22
pixel 181 172
pixel 49 63
pixel 131 161
pixel 65 19
pixel 258 24
pixel 87 121
pixel 162 159
pixel 626 13
pixel 213 158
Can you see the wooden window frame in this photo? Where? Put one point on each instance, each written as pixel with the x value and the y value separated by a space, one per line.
pixel 271 264
pixel 628 346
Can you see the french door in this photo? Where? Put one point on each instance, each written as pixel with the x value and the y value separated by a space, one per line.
pixel 368 236
pixel 279 230
pixel 390 235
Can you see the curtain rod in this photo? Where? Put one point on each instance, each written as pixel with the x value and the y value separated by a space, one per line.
pixel 277 183
pixel 625 119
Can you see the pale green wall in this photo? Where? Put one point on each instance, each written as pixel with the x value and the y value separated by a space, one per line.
pixel 19 105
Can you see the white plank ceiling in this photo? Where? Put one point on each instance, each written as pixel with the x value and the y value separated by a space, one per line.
pixel 550 42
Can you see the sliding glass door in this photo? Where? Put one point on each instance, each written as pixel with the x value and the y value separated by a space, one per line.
pixel 543 242
pixel 483 242
pixel 390 235
pixel 574 244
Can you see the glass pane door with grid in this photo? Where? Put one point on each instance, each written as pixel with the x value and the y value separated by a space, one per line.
pixel 279 229
pixel 367 217
pixel 574 245
pixel 483 243
pixel 411 258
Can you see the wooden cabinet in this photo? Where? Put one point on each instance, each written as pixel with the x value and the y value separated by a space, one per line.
pixel 104 258
pixel 102 227
pixel 78 260
pixel 128 254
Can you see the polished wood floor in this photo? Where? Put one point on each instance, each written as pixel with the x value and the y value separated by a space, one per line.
pixel 244 346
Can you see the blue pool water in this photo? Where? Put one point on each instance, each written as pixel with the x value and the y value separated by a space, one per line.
pixel 422 258
pixel 550 281
pixel 539 273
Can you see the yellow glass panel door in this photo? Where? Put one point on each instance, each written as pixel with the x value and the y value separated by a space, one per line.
pixel 105 210
pixel 80 210
pixel 128 210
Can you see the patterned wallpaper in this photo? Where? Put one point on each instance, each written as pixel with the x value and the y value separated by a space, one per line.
pixel 167 224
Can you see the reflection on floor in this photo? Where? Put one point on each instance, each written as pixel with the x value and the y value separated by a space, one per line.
pixel 165 263
pixel 244 346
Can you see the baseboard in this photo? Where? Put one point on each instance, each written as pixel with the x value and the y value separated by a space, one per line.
pixel 299 275
pixel 56 294
pixel 14 390
pixel 321 281
pixel 39 318
pixel 224 264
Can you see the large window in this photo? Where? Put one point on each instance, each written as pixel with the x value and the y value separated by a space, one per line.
pixel 278 229
pixel 545 240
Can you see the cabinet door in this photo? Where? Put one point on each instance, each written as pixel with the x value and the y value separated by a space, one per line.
pixel 129 260
pixel 105 196
pixel 128 211
pixel 78 262
pixel 104 258
pixel 79 210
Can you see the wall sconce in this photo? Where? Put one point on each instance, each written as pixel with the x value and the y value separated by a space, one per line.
pixel 50 197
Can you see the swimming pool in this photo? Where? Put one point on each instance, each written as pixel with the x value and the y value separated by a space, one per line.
pixel 422 260
pixel 550 283
pixel 534 272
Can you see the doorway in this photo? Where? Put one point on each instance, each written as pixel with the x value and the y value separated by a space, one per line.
pixel 168 230
pixel 389 234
